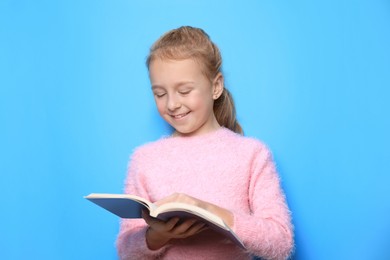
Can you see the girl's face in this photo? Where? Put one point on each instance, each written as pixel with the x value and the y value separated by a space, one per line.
pixel 184 95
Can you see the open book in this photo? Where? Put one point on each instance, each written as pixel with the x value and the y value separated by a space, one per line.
pixel 130 206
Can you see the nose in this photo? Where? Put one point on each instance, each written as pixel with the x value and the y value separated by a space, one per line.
pixel 173 103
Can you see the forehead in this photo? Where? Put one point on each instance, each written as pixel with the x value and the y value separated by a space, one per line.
pixel 166 71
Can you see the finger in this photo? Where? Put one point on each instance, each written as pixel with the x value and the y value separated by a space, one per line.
pixel 148 219
pixel 183 227
pixel 192 230
pixel 145 216
pixel 205 227
pixel 171 223
pixel 144 213
pixel 195 229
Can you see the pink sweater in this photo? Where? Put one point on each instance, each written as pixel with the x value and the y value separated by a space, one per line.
pixel 221 167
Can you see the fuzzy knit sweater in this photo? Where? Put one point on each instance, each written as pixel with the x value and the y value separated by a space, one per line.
pixel 221 167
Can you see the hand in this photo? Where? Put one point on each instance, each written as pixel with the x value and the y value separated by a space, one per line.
pixel 160 233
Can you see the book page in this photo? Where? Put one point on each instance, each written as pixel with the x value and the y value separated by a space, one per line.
pixel 177 209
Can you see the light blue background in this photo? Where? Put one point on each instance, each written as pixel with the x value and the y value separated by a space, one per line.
pixel 310 78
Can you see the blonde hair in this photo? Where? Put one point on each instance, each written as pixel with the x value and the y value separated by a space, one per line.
pixel 194 43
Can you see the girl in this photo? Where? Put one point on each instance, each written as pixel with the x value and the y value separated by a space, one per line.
pixel 206 162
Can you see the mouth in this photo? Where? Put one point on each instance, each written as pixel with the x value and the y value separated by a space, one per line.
pixel 179 116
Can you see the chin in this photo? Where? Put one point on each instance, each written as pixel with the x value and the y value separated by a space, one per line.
pixel 184 132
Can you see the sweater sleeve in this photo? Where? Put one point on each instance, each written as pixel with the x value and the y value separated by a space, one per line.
pixel 267 230
pixel 131 242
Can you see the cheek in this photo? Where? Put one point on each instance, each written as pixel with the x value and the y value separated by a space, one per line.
pixel 198 99
pixel 203 101
pixel 160 104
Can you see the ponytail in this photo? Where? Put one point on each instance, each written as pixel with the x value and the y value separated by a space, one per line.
pixel 225 112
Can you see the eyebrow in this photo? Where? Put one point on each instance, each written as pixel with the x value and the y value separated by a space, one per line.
pixel 181 83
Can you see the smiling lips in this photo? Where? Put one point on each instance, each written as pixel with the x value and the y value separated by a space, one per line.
pixel 179 116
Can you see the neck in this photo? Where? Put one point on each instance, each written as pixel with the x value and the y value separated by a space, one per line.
pixel 214 126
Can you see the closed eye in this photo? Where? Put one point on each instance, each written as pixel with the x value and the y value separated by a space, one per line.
pixel 185 92
pixel 159 95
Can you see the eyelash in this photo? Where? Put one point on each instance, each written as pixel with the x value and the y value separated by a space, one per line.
pixel 180 92
pixel 185 92
pixel 159 95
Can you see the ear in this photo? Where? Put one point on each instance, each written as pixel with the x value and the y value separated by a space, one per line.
pixel 218 86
